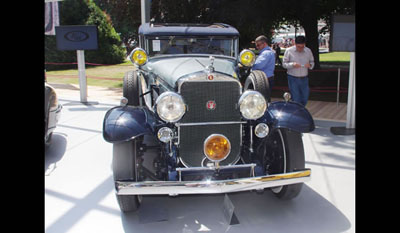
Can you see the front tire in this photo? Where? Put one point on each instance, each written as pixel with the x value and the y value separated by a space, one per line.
pixel 124 156
pixel 289 157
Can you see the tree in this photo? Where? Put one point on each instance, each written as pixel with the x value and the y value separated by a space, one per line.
pixel 308 12
pixel 85 12
pixel 251 17
pixel 125 17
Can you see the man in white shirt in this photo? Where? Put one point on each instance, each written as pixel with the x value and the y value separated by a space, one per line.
pixel 298 60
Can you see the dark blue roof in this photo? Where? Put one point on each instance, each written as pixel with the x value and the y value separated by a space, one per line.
pixel 218 29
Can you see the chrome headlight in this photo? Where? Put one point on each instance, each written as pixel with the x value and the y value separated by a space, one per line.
pixel 252 105
pixel 170 107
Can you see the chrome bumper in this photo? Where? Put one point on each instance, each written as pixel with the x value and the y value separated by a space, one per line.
pixel 54 117
pixel 174 188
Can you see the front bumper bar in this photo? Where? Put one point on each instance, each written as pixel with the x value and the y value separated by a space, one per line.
pixel 174 188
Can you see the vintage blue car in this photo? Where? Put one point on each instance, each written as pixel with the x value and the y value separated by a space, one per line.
pixel 195 119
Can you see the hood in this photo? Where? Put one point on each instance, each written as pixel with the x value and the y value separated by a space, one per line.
pixel 170 69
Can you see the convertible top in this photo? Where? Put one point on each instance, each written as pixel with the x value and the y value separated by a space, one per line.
pixel 168 29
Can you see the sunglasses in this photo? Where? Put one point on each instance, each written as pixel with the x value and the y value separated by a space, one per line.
pixel 259 44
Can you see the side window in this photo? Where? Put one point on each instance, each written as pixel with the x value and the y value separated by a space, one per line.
pixel 141 41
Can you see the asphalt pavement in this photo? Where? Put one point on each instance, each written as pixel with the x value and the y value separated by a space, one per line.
pixel 79 190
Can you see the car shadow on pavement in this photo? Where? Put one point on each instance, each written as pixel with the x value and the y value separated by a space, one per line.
pixel 54 152
pixel 309 212
pixel 89 106
pixel 64 86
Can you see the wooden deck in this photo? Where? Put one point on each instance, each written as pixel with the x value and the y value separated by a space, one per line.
pixel 321 110
pixel 327 110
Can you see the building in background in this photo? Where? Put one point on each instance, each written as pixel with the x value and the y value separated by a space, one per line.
pixel 285 36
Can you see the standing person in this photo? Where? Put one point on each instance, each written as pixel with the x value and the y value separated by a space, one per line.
pixel 298 60
pixel 265 60
pixel 277 53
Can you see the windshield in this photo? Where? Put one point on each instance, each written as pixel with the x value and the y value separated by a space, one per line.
pixel 194 45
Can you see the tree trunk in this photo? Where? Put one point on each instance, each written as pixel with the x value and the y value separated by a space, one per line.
pixel 310 25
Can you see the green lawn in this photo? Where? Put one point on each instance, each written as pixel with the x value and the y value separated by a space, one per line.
pixel 70 76
pixel 335 57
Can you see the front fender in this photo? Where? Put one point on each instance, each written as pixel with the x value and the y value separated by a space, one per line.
pixel 290 115
pixel 124 123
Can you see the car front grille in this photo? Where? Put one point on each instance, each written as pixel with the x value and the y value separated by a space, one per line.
pixel 225 95
pixel 192 140
pixel 201 119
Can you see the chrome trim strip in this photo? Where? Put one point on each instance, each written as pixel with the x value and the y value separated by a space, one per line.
pixel 201 76
pixel 211 123
pixel 251 139
pixel 194 55
pixel 211 187
pixel 182 169
pixel 214 168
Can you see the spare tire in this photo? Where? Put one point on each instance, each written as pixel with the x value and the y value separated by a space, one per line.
pixel 257 80
pixel 131 89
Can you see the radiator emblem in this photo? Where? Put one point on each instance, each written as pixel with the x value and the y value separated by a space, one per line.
pixel 211 105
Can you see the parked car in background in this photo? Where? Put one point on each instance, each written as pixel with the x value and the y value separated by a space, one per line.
pixel 195 119
pixel 52 112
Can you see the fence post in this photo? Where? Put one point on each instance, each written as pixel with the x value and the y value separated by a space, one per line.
pixel 350 128
pixel 82 75
pixel 351 104
pixel 338 88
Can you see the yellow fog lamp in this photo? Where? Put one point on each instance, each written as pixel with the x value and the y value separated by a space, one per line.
pixel 247 58
pixel 138 57
pixel 217 147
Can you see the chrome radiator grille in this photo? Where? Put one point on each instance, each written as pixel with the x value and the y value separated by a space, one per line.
pixel 225 118
pixel 225 95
